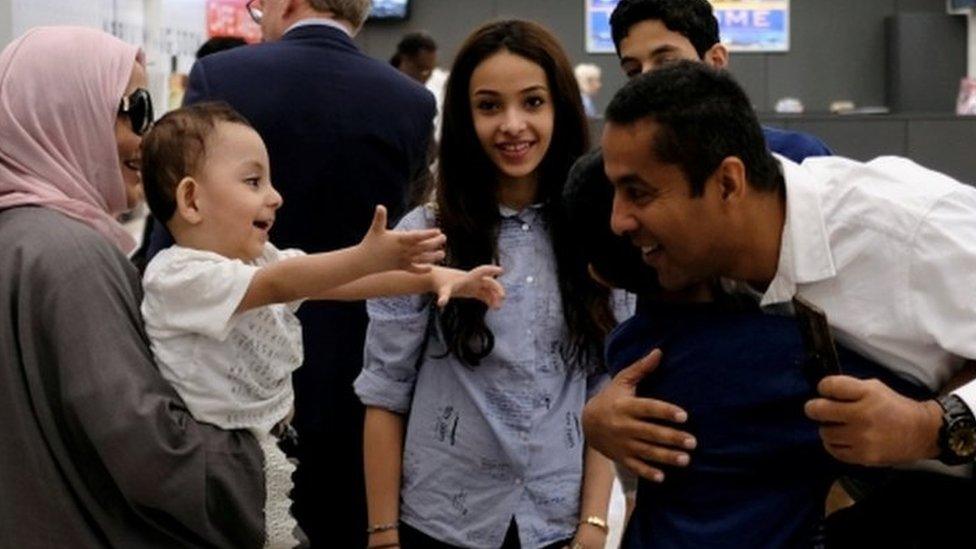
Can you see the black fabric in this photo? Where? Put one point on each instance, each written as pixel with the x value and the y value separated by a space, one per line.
pixel 912 510
pixel 760 475
pixel 344 132
pixel 411 538
pixel 96 448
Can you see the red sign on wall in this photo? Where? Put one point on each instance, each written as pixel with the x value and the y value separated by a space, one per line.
pixel 230 18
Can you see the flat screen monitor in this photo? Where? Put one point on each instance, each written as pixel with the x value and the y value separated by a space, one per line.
pixel 390 10
pixel 744 25
pixel 958 6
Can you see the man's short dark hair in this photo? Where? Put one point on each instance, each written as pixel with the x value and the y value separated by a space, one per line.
pixel 588 197
pixel 693 19
pixel 218 44
pixel 176 147
pixel 704 117
pixel 411 44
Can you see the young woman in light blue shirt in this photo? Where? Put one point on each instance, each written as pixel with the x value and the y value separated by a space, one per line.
pixel 484 406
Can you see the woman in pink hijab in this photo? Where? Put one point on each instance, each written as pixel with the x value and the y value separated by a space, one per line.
pixel 98 450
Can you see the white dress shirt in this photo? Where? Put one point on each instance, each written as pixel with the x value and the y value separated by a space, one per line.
pixel 888 250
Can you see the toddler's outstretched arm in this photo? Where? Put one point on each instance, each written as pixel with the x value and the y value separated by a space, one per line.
pixel 313 275
pixel 479 283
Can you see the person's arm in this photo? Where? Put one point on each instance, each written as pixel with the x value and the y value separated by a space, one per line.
pixel 444 282
pixel 597 483
pixel 383 458
pixel 866 422
pixel 396 339
pixel 633 431
pixel 311 275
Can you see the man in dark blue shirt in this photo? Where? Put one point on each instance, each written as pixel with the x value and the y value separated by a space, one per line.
pixel 649 34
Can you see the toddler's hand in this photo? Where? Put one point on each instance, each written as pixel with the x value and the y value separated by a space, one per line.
pixel 478 283
pixel 412 251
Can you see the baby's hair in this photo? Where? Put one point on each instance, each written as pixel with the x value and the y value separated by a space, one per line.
pixel 177 147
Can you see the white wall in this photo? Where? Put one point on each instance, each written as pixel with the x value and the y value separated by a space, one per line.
pixel 163 28
pixel 6 22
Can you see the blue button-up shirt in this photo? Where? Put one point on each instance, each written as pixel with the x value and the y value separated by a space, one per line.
pixel 498 440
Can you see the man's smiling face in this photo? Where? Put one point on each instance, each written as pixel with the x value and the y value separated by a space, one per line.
pixel 680 236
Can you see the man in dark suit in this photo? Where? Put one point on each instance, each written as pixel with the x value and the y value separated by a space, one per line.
pixel 344 132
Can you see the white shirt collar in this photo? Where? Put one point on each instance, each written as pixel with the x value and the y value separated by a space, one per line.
pixel 505 211
pixel 323 21
pixel 804 255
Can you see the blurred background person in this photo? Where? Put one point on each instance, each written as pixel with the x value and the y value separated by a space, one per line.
pixel 218 44
pixel 416 56
pixel 588 78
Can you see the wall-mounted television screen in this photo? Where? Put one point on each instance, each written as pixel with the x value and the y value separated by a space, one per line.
pixel 390 10
pixel 744 25
pixel 961 6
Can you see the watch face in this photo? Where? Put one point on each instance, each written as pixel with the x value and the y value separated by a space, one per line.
pixel 962 438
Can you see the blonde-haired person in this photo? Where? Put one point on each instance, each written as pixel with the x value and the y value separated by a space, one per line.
pixel 588 77
pixel 98 450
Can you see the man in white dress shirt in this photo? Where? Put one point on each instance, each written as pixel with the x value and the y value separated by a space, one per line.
pixel 887 249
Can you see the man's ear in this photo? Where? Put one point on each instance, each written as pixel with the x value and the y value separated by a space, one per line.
pixel 595 275
pixel 187 196
pixel 730 176
pixel 717 56
pixel 290 7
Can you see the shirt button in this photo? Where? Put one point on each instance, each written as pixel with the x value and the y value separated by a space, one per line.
pixel 530 279
pixel 529 332
pixel 518 482
pixel 525 226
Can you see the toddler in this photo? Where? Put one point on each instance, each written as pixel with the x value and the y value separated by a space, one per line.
pixel 219 305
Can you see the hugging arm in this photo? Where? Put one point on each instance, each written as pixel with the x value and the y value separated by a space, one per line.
pixel 634 431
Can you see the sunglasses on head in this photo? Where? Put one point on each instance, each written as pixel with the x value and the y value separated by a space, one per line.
pixel 138 107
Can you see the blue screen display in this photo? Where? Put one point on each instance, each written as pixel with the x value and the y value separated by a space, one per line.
pixel 744 25
pixel 390 9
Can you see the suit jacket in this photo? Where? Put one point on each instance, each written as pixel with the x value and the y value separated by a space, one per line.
pixel 344 132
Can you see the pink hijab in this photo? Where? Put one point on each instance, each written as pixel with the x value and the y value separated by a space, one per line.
pixel 60 89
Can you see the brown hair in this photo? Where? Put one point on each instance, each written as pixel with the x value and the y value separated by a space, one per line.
pixel 177 147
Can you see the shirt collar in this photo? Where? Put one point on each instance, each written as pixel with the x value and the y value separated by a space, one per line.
pixel 322 21
pixel 804 255
pixel 505 211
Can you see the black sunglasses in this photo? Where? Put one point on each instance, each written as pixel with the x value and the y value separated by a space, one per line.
pixel 138 107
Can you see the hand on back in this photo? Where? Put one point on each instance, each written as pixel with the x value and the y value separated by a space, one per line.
pixel 634 431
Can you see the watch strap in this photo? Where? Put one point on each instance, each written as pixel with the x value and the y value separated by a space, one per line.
pixel 954 412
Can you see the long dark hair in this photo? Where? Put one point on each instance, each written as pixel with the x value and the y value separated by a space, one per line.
pixel 467 202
